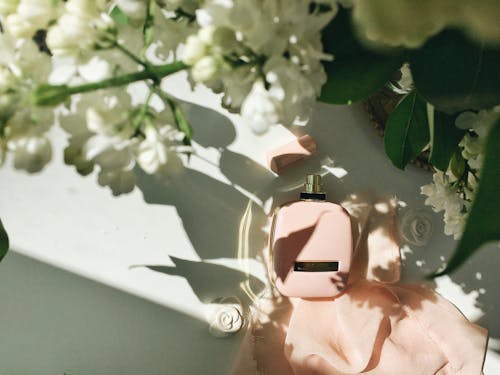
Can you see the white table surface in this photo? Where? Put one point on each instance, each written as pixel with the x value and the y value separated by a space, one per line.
pixel 76 299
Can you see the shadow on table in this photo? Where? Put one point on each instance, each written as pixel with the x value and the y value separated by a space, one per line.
pixel 55 322
pixel 210 209
pixel 211 281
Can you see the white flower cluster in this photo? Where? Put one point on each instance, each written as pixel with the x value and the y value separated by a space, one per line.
pixel 264 56
pixel 23 18
pixel 105 130
pixel 454 194
pixel 442 195
pixel 23 127
pixel 103 134
pixel 82 26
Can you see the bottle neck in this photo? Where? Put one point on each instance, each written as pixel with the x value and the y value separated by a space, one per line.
pixel 312 196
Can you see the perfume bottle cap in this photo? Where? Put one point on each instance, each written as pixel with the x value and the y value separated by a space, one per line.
pixel 313 184
pixel 313 189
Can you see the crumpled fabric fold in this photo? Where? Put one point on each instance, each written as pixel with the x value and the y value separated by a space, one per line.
pixel 377 326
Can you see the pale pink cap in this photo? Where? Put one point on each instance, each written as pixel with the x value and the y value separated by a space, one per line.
pixel 280 158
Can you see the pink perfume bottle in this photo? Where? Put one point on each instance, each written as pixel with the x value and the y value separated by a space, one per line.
pixel 311 245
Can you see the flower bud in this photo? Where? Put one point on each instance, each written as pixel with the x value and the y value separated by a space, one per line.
pixel 73 156
pixel 30 16
pixel 205 69
pixel 82 26
pixel 85 8
pixel 206 34
pixel 135 10
pixel 194 50
pixel 69 35
pixel 120 181
pixel 31 152
pixel 19 27
pixel 37 12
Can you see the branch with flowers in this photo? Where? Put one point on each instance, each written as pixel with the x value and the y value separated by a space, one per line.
pixel 74 63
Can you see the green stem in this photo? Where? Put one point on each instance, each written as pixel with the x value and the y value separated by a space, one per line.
pixel 50 95
pixel 180 119
pixel 142 114
pixel 130 54
pixel 147 29
pixel 164 96
pixel 155 72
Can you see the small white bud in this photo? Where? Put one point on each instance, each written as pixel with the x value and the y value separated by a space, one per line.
pixel 194 50
pixel 19 27
pixel 205 69
pixel 31 153
pixel 206 34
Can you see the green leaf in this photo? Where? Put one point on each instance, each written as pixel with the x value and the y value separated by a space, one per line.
pixel 454 73
pixel 407 131
pixel 483 223
pixel 356 72
pixel 118 16
pixel 445 137
pixel 4 242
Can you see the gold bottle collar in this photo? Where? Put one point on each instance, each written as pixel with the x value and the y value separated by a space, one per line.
pixel 313 184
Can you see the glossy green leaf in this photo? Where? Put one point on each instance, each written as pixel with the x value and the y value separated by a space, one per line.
pixel 407 130
pixel 356 72
pixel 118 16
pixel 445 137
pixel 4 242
pixel 483 223
pixel 454 73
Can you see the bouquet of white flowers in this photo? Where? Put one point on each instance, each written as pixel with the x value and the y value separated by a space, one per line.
pixel 74 62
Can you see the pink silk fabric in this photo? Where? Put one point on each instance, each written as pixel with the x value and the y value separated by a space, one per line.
pixel 377 326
